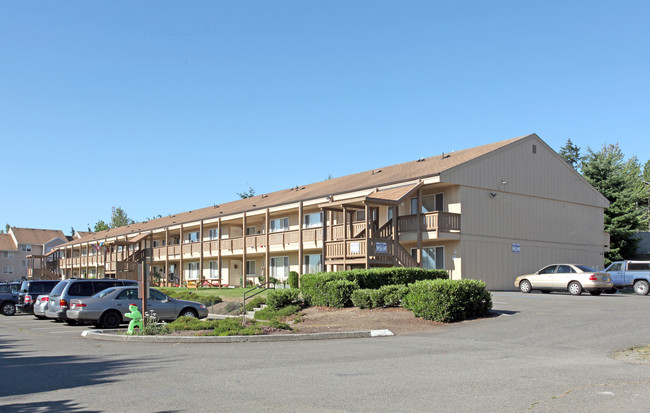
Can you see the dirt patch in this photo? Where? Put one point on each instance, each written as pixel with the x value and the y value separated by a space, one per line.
pixel 637 355
pixel 396 319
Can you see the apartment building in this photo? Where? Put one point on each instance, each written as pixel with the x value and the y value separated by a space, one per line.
pixel 18 247
pixel 491 213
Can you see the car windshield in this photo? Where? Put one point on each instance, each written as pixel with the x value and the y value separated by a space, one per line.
pixel 104 293
pixel 584 268
pixel 58 289
pixel 24 287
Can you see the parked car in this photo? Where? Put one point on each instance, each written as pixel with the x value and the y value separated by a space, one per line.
pixel 66 290
pixel 40 304
pixel 29 290
pixel 565 277
pixel 107 308
pixel 634 274
pixel 8 298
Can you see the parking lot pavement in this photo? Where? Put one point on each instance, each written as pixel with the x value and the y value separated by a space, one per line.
pixel 540 353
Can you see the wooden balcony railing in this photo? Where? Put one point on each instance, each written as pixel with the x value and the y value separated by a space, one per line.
pixel 431 221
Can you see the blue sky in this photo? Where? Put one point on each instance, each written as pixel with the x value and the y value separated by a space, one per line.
pixel 162 107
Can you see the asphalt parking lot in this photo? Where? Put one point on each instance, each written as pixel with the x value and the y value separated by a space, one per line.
pixel 542 353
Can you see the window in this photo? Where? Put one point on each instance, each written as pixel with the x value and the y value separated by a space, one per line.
pixel 25 247
pixel 615 267
pixel 156 243
pixel 214 269
pixel 565 269
pixel 414 206
pixel 156 295
pixel 92 273
pixel 250 268
pixel 193 271
pixel 192 237
pixel 548 270
pixel 433 258
pixel 84 252
pixel 7 270
pixel 8 254
pixel 128 294
pixel 432 203
pixel 213 233
pixel 280 224
pixel 389 213
pixel 360 215
pixel 250 230
pixel 24 263
pixel 280 267
pixel 313 220
pixel 313 263
pixel 638 266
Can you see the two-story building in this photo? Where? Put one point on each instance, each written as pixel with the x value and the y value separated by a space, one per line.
pixel 491 213
pixel 18 247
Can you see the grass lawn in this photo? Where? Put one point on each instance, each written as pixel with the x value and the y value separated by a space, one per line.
pixel 225 293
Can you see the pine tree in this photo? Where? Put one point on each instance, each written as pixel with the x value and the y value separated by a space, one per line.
pixel 621 182
pixel 571 154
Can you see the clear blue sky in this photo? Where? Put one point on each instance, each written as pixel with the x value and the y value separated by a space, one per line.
pixel 162 107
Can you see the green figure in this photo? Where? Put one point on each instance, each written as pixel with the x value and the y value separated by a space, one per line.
pixel 136 318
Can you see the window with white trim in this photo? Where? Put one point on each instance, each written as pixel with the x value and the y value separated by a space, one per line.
pixel 432 202
pixel 213 233
pixel 250 230
pixel 8 270
pixel 24 263
pixel 156 243
pixel 250 268
pixel 192 237
pixel 313 263
pixel 279 224
pixel 84 252
pixel 314 220
pixel 192 271
pixel 25 247
pixel 8 254
pixel 280 267
pixel 213 269
pixel 360 215
pixel 433 258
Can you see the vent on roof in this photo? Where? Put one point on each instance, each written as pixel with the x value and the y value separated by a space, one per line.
pixel 264 195
pixel 445 155
pixel 376 172
pixel 420 160
pixel 216 206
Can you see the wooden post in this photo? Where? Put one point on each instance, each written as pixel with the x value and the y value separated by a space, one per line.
pixel 395 233
pixel 267 257
pixel 181 276
pixel 219 250
pixel 419 218
pixel 201 256
pixel 345 237
pixel 166 256
pixel 368 217
pixel 243 260
pixel 326 215
pixel 300 248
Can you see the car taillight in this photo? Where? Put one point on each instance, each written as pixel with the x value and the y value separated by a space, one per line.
pixel 77 305
pixel 592 277
pixel 45 299
pixel 63 304
pixel 28 299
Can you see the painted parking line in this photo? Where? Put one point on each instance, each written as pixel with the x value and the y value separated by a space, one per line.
pixel 67 332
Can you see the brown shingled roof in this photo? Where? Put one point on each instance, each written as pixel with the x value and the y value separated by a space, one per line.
pixel 382 176
pixel 7 243
pixel 35 235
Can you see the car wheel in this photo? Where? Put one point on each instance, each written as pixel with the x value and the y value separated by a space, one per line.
pixel 8 308
pixel 596 292
pixel 97 324
pixel 575 288
pixel 641 287
pixel 546 291
pixel 611 291
pixel 189 312
pixel 525 287
pixel 111 319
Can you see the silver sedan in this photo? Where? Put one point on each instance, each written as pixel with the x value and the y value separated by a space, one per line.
pixel 107 308
pixel 565 277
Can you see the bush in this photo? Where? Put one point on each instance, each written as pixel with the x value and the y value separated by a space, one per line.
pixel 233 306
pixel 270 314
pixel 233 327
pixel 276 299
pixel 254 303
pixel 293 279
pixel 361 298
pixel 314 287
pixel 389 295
pixel 191 323
pixel 448 300
pixel 339 293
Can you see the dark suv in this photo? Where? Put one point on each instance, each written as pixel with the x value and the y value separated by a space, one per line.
pixel 31 289
pixel 65 290
pixel 8 298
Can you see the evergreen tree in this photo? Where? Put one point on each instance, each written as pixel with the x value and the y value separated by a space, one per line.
pixel 101 226
pixel 119 218
pixel 249 194
pixel 571 154
pixel 621 182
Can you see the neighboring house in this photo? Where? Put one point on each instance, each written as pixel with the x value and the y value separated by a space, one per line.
pixel 19 247
pixel 491 212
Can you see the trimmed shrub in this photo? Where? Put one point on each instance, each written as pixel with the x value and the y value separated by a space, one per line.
pixel 388 296
pixel 314 287
pixel 361 298
pixel 269 313
pixel 293 279
pixel 339 293
pixel 276 299
pixel 192 296
pixel 254 303
pixel 448 300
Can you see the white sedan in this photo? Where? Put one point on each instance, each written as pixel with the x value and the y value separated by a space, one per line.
pixel 565 277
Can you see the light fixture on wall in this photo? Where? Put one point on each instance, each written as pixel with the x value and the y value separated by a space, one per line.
pixel 492 194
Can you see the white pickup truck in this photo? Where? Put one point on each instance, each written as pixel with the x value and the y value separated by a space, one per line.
pixel 631 274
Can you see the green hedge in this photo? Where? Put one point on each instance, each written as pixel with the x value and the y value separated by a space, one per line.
pixel 293 279
pixel 385 296
pixel 448 300
pixel 254 303
pixel 315 288
pixel 362 298
pixel 192 296
pixel 276 299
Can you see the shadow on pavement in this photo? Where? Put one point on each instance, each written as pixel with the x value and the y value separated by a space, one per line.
pixel 48 406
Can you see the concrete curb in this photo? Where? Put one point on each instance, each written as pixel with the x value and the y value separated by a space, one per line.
pixel 111 335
